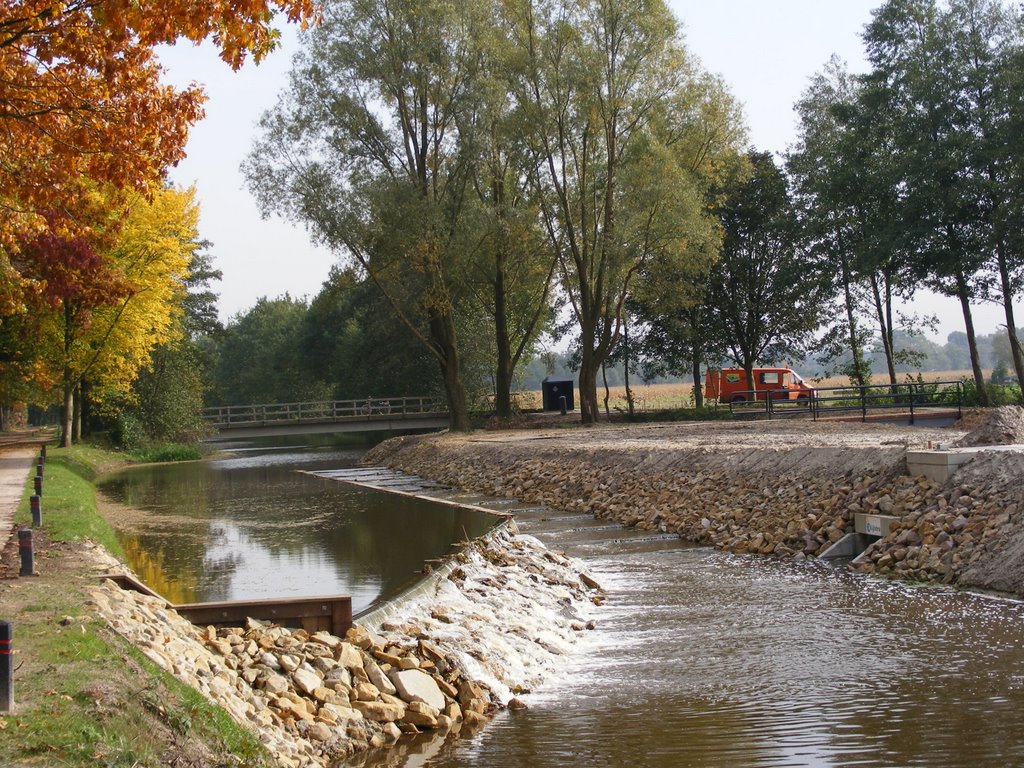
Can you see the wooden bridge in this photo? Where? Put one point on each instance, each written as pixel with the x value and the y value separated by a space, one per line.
pixel 370 414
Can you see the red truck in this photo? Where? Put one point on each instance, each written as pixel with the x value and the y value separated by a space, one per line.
pixel 730 385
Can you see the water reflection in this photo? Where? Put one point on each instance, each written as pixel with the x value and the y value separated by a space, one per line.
pixel 251 527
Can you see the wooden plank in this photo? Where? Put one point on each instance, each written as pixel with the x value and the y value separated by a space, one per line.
pixel 332 613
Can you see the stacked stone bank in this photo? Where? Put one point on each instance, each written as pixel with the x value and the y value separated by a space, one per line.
pixel 451 658
pixel 778 488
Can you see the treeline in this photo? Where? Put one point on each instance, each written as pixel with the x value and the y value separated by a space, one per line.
pixel 96 253
pixel 497 171
pixel 497 177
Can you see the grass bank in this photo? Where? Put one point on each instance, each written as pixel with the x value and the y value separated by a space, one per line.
pixel 83 695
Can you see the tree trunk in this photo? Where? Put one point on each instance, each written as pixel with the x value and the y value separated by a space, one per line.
pixel 972 342
pixel 859 371
pixel 442 329
pixel 883 311
pixel 589 366
pixel 67 413
pixel 625 370
pixel 698 392
pixel 1011 327
pixel 503 345
pixel 76 422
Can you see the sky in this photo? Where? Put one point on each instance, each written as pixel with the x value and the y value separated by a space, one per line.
pixel 766 51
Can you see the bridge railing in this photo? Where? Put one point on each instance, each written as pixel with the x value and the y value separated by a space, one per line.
pixel 321 411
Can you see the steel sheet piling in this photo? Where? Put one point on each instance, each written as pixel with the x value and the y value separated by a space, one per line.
pixel 25 550
pixel 6 666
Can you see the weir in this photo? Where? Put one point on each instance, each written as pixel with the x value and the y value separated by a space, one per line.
pixel 938 464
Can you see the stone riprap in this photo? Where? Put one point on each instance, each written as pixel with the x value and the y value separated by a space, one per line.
pixel 491 629
pixel 788 489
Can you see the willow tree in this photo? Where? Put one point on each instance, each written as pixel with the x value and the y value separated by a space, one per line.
pixel 363 147
pixel 601 85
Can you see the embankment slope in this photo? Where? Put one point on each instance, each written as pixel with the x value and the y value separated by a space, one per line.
pixel 788 489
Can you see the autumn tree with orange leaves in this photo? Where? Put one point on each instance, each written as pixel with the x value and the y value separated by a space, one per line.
pixel 81 101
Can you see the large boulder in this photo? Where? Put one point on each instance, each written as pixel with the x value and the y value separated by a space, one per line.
pixel 416 685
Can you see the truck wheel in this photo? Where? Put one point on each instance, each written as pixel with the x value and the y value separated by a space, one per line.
pixel 738 399
pixel 802 399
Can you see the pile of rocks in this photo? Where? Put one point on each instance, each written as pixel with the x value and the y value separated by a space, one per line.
pixel 316 698
pixel 778 499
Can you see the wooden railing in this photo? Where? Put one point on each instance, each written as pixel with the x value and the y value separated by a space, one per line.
pixel 323 411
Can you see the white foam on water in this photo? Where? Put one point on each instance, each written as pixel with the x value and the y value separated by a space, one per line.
pixel 506 613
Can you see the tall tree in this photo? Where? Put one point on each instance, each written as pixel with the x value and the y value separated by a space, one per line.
pixel 605 87
pixel 80 98
pixel 364 148
pixel 167 398
pixel 105 308
pixel 514 274
pixel 765 295
pixel 917 68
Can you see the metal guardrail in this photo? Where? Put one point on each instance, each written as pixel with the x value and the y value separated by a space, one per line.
pixel 909 398
pixel 323 411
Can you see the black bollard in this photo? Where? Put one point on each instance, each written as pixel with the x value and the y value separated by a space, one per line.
pixel 25 550
pixel 561 401
pixel 42 451
pixel 35 503
pixel 6 666
pixel 39 467
pixel 39 485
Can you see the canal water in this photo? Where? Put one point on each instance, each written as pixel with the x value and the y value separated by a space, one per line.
pixel 249 526
pixel 706 659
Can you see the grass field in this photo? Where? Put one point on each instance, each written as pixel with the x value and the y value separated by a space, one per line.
pixel 668 396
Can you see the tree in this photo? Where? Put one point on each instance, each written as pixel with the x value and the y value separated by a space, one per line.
pixel 261 358
pixel 103 312
pixel 608 93
pixel 936 67
pixel 514 275
pixel 167 399
pixel 352 340
pixel 364 148
pixel 765 295
pixel 80 98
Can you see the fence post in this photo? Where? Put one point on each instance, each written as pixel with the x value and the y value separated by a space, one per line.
pixel 37 511
pixel 863 403
pixel 38 482
pixel 911 386
pixel 6 666
pixel 25 550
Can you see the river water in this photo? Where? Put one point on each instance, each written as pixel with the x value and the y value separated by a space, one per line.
pixel 706 659
pixel 249 526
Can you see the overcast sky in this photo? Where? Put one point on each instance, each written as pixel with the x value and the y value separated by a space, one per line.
pixel 765 50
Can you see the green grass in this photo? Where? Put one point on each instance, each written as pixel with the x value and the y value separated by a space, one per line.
pixel 69 497
pixel 84 696
pixel 162 452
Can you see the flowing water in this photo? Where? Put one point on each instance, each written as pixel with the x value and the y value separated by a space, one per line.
pixel 699 658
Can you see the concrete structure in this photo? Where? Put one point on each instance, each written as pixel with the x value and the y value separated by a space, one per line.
pixel 939 464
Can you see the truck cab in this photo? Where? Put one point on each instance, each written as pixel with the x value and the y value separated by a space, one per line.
pixel 730 385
